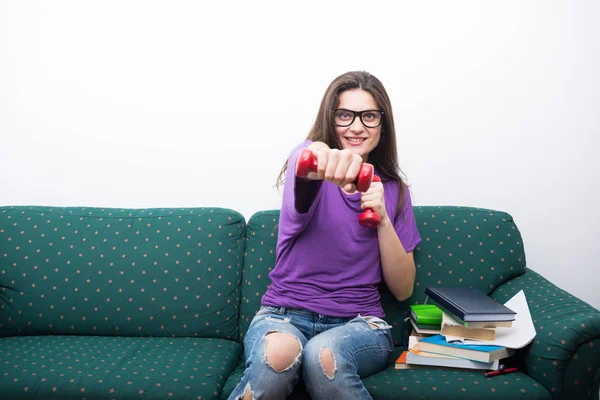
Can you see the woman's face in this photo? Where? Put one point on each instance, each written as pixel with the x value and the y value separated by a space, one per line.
pixel 357 137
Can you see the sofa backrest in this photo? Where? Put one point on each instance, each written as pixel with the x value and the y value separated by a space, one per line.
pixel 259 261
pixel 130 272
pixel 461 246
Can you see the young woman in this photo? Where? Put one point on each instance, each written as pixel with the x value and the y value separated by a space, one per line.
pixel 321 319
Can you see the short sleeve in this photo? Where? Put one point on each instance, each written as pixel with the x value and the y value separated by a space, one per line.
pixel 288 206
pixel 406 225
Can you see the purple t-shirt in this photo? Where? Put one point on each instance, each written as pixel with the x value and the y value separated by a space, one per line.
pixel 325 261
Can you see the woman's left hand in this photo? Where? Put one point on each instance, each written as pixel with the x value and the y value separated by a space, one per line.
pixel 374 199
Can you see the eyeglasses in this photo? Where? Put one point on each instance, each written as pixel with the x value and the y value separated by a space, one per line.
pixel 369 118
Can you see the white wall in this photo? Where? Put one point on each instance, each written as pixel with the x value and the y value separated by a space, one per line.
pixel 174 103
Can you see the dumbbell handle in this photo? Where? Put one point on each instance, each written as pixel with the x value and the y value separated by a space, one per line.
pixel 307 162
pixel 369 218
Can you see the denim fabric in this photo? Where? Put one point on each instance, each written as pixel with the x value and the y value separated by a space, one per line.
pixel 360 347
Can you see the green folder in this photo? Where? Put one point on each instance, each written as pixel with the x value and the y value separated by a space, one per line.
pixel 426 314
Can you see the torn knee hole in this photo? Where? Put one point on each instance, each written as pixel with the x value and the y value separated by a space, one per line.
pixel 282 350
pixel 327 362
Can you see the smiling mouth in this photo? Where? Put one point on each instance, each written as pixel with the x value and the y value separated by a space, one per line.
pixel 355 140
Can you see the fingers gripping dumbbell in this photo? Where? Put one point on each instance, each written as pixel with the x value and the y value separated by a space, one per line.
pixel 369 218
pixel 307 162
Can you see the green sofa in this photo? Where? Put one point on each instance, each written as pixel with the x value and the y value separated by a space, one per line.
pixel 154 303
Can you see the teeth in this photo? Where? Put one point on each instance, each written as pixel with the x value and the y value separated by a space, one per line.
pixel 356 139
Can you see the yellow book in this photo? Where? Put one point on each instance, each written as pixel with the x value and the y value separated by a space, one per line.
pixel 451 327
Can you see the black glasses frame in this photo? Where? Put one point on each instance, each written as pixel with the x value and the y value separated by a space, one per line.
pixel 360 116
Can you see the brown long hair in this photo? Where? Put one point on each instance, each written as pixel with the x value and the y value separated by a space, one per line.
pixel 385 156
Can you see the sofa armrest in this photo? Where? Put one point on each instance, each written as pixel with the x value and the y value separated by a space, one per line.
pixel 565 354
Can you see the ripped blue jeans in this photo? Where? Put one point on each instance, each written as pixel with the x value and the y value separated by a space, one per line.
pixel 360 347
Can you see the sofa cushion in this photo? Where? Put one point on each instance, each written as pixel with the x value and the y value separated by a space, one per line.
pixel 449 384
pixel 128 272
pixel 102 367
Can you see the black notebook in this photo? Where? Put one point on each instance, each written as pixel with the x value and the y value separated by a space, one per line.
pixel 470 305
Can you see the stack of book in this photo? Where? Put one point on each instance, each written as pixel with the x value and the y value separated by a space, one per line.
pixel 465 334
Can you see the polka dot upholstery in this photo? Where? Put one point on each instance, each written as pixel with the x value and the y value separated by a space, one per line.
pixel 125 304
pixel 565 354
pixel 151 272
pixel 259 261
pixel 102 367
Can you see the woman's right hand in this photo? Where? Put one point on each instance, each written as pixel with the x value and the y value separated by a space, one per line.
pixel 341 167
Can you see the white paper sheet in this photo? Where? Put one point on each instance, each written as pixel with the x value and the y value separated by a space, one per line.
pixel 519 335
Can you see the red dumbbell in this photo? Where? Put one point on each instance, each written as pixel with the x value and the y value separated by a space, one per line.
pixel 369 218
pixel 307 162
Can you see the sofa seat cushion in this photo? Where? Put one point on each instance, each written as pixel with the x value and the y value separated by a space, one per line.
pixel 446 384
pixel 102 367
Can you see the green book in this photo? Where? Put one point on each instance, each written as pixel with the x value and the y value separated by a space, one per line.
pixel 434 327
pixel 426 314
